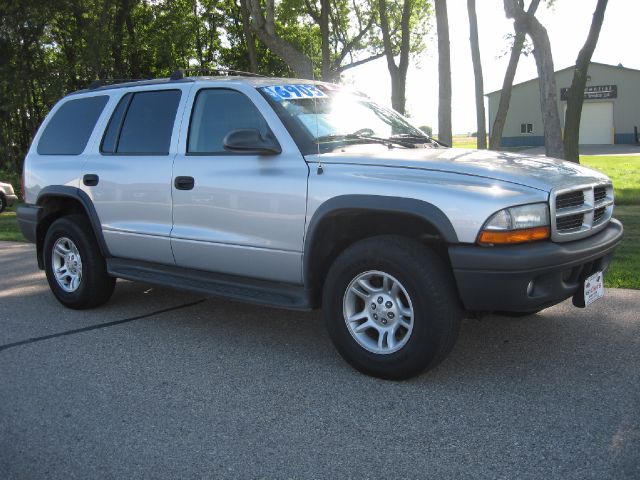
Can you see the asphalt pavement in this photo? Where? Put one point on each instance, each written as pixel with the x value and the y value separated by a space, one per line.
pixel 164 384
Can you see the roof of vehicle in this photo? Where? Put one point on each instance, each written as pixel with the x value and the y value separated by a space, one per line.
pixel 255 81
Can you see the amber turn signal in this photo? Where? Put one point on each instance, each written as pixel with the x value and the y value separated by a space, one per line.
pixel 514 236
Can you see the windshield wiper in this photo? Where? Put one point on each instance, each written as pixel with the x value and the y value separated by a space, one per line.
pixel 365 138
pixel 419 139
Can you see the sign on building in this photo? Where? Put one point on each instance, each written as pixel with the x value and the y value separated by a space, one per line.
pixel 595 92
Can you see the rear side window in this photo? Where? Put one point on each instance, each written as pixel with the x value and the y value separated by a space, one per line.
pixel 142 123
pixel 215 113
pixel 68 131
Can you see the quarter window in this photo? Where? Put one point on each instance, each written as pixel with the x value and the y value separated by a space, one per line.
pixel 68 131
pixel 216 112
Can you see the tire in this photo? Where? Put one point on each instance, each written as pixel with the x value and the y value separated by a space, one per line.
pixel 3 203
pixel 70 248
pixel 423 310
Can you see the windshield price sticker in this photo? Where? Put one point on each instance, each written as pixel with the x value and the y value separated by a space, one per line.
pixel 292 92
pixel 593 288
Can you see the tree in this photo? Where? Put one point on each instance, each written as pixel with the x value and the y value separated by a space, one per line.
pixel 398 72
pixel 403 26
pixel 495 139
pixel 529 24
pixel 575 95
pixel 444 73
pixel 477 73
pixel 264 26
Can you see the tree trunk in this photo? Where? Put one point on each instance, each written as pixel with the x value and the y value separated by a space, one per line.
pixel 263 24
pixel 444 73
pixel 398 73
pixel 546 75
pixel 327 74
pixel 495 139
pixel 248 37
pixel 575 95
pixel 477 72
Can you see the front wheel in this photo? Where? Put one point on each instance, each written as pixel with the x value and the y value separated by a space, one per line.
pixel 76 271
pixel 390 307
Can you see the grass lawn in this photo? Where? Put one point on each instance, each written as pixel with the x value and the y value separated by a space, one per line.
pixel 624 171
pixel 464 141
pixel 9 226
pixel 624 271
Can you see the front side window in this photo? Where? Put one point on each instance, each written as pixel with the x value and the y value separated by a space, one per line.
pixel 68 131
pixel 216 112
pixel 142 123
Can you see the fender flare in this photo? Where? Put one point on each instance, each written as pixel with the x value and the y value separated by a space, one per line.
pixel 424 210
pixel 81 197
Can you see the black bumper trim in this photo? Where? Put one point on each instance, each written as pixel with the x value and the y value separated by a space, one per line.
pixel 532 276
pixel 28 216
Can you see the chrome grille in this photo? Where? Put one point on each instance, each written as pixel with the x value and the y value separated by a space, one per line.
pixel 599 193
pixel 570 199
pixel 580 211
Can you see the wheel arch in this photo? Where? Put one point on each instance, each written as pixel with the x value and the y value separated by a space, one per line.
pixel 343 220
pixel 56 201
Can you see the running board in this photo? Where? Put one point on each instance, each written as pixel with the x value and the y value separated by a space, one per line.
pixel 261 292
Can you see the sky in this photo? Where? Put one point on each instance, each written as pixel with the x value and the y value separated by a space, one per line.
pixel 567 23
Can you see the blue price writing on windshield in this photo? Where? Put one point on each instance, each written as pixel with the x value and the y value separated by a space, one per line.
pixel 293 92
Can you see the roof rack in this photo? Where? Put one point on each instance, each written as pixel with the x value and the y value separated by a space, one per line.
pixel 180 73
pixel 113 81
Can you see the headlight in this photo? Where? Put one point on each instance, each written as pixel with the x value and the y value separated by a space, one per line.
pixel 516 225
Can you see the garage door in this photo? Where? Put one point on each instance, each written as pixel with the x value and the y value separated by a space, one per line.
pixel 596 124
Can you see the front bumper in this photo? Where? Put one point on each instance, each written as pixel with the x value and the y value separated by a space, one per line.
pixel 529 277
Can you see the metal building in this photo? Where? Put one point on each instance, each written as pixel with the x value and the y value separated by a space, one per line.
pixel 610 114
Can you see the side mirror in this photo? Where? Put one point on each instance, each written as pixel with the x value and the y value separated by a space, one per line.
pixel 250 140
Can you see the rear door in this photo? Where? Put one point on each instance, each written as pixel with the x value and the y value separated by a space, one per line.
pixel 244 213
pixel 128 176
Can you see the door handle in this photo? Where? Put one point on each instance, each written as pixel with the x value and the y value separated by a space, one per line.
pixel 184 183
pixel 90 179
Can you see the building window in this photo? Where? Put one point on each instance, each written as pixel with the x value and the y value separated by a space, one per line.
pixel 526 128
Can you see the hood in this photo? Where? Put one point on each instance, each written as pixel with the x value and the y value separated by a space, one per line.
pixel 536 171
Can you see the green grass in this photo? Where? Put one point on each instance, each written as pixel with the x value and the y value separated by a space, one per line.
pixel 624 171
pixel 9 230
pixel 624 271
pixel 464 141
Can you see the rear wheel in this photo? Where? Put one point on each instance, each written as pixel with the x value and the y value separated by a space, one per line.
pixel 3 203
pixel 76 271
pixel 390 307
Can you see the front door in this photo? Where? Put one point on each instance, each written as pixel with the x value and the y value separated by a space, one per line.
pixel 239 214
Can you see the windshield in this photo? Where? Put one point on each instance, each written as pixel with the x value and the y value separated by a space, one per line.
pixel 331 117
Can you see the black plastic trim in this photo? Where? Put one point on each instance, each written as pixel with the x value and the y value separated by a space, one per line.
pixel 28 216
pixel 261 292
pixel 87 204
pixel 372 203
pixel 531 276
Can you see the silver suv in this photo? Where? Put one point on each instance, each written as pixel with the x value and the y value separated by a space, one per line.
pixel 300 194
